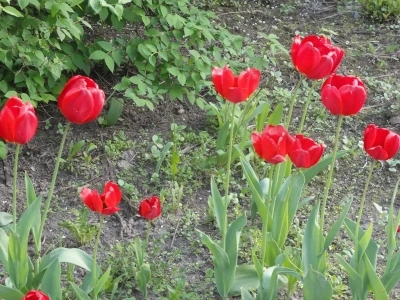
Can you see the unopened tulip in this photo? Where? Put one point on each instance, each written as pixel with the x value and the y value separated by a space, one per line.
pixel 315 56
pixel 81 100
pixel 35 295
pixel 343 95
pixel 304 152
pixel 105 203
pixel 235 88
pixel 272 144
pixel 150 208
pixel 381 143
pixel 18 121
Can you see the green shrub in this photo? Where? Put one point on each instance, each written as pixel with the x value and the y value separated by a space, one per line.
pixel 381 10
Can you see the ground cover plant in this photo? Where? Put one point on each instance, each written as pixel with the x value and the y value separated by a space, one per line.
pixel 140 217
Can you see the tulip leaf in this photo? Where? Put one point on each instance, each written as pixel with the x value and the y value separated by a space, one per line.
pixel 17 260
pixel 273 280
pixel 51 282
pixel 276 116
pixel 391 228
pixel 8 293
pixel 115 111
pixel 5 219
pixel 163 153
pixel 262 117
pixel 310 173
pixel 338 224
pixel 255 112
pixel 313 242
pixel 285 207
pixel 273 250
pixel 102 281
pixel 391 275
pixel 69 255
pixel 4 249
pixel 245 295
pixel 81 295
pixel 223 134
pixel 245 277
pixel 254 185
pixel 316 287
pixel 30 198
pixel 374 281
pixel 28 220
pixel 221 264
pixel 219 206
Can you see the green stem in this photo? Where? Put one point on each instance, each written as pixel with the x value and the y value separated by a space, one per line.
pixel 228 173
pixel 147 234
pixel 292 100
pixel 268 202
pixel 360 211
pixel 96 247
pixel 14 196
pixel 306 105
pixel 330 174
pixel 52 184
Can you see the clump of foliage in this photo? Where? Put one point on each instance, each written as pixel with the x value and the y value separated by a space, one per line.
pixel 381 10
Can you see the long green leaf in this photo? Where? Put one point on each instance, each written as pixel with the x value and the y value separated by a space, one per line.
pixel 336 227
pixel 221 264
pixel 376 285
pixel 8 293
pixel 254 185
pixel 81 295
pixel 5 219
pixel 316 287
pixel 51 282
pixel 245 277
pixel 232 248
pixel 392 273
pixel 28 219
pixel 17 260
pixel 4 249
pixel 274 281
pixel 68 255
pixel 356 283
pixel 115 111
pixel 245 295
pixel 219 206
pixel 30 198
pixel 276 116
pixel 102 281
pixel 163 153
pixel 312 242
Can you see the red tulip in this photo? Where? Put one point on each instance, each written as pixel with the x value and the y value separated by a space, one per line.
pixel 105 203
pixel 81 100
pixel 235 88
pixel 343 95
pixel 381 143
pixel 35 295
pixel 150 208
pixel 398 229
pixel 315 56
pixel 272 144
pixel 304 152
pixel 18 121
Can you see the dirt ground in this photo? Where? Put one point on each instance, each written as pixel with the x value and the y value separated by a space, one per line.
pixel 367 48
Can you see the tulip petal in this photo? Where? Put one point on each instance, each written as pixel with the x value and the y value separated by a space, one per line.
pixel 392 144
pixel 307 58
pixel 353 99
pixel 26 126
pixel 331 99
pixel 300 158
pixel 92 199
pixel 98 103
pixel 110 210
pixel 369 136
pixel 216 76
pixel 7 125
pixel 323 69
pixel 112 194
pixel 77 105
pixel 377 153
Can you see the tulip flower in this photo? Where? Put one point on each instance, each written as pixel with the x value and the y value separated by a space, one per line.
pixel 35 295
pixel 343 95
pixel 381 143
pixel 272 144
pixel 150 208
pixel 315 56
pixel 235 88
pixel 105 203
pixel 304 152
pixel 18 121
pixel 81 100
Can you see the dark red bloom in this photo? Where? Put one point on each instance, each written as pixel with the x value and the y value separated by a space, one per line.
pixel 315 56
pixel 105 203
pixel 380 143
pixel 343 95
pixel 150 208
pixel 35 295
pixel 272 144
pixel 235 88
pixel 18 121
pixel 304 152
pixel 81 100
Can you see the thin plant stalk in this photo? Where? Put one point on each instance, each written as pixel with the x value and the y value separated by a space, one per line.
pixel 360 211
pixel 330 174
pixel 53 182
pixel 14 196
pixel 228 173
pixel 96 247
pixel 292 101
pixel 306 105
pixel 147 234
